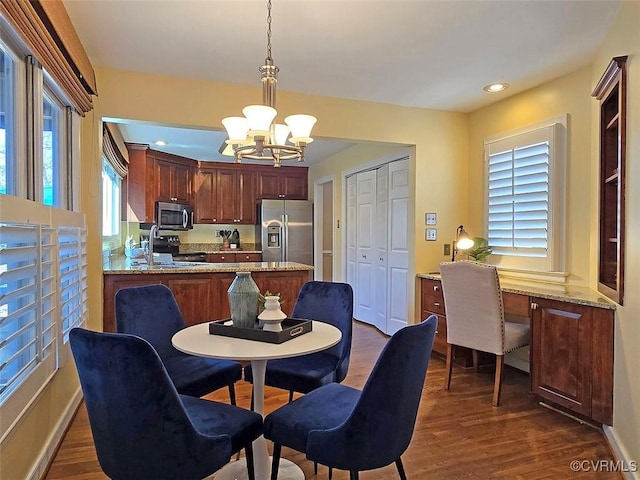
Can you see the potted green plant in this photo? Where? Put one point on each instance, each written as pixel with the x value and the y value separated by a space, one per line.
pixel 480 250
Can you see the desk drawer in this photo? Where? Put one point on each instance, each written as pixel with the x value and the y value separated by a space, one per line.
pixel 432 298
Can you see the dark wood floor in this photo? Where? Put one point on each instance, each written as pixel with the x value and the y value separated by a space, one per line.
pixel 458 434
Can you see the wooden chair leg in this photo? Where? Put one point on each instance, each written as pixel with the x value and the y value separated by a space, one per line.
pixel 275 464
pixel 353 475
pixel 330 472
pixel 290 396
pixel 498 380
pixel 315 468
pixel 400 468
pixel 447 379
pixel 232 394
pixel 248 451
pixel 476 364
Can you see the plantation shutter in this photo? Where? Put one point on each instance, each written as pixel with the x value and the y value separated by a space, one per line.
pixel 518 194
pixel 27 303
pixel 72 259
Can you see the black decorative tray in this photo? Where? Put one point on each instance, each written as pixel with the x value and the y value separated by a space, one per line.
pixel 291 328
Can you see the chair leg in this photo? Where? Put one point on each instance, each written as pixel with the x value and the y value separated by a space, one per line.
pixel 275 464
pixel 315 468
pixel 248 451
pixel 447 379
pixel 498 380
pixel 400 467
pixel 232 394
pixel 290 396
pixel 330 472
pixel 353 475
pixel 476 364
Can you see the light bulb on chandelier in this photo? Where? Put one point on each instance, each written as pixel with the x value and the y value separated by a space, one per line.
pixel 256 136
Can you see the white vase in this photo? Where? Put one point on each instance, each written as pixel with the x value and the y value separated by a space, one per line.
pixel 271 317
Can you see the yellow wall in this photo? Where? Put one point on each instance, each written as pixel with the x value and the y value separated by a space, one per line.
pixel 624 39
pixel 571 95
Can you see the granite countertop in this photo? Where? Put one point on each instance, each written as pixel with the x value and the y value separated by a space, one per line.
pixel 128 266
pixel 563 293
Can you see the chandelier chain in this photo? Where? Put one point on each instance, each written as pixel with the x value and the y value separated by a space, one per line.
pixel 269 59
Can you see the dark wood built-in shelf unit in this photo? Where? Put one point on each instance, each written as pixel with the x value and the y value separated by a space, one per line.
pixel 611 92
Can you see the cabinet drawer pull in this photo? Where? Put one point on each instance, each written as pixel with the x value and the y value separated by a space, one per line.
pixel 436 304
pixel 436 288
pixel 534 306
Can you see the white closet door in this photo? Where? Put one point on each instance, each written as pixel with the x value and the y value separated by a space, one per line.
pixel 398 249
pixel 352 246
pixel 365 240
pixel 381 239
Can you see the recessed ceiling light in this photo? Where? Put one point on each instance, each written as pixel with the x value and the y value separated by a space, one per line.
pixel 496 87
pixel 160 143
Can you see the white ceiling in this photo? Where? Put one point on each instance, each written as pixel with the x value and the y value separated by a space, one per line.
pixel 421 53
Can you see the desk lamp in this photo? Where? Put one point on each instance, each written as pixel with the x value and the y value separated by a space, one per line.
pixel 462 242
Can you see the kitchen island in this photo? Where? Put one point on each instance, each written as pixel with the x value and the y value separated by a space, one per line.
pixel 201 288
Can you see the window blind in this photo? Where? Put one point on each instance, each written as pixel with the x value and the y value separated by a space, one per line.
pixel 27 302
pixel 518 200
pixel 72 264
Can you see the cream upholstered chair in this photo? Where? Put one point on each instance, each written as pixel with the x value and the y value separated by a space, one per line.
pixel 475 316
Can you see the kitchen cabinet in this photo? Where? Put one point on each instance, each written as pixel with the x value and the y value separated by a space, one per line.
pixel 233 257
pixel 173 180
pixel 283 183
pixel 205 190
pixel 154 176
pixel 236 196
pixel 202 297
pixel 572 357
pixel 611 92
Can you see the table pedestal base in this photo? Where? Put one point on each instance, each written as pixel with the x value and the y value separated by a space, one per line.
pixel 238 471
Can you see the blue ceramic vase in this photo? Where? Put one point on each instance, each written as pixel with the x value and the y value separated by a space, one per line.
pixel 243 300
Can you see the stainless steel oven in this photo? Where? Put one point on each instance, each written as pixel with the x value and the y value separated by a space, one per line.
pixel 174 216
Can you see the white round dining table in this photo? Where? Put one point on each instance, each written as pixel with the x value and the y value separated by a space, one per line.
pixel 196 340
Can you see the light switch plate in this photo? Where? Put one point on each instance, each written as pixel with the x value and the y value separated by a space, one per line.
pixel 430 218
pixel 430 234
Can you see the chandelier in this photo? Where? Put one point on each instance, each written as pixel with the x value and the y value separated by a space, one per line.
pixel 256 136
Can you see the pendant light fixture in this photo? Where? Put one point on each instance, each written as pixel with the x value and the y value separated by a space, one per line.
pixel 256 135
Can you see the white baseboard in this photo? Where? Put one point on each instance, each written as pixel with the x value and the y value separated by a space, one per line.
pixel 621 454
pixel 49 450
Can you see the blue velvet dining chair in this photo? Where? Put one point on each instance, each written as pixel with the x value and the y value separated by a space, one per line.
pixel 329 302
pixel 345 428
pixel 142 427
pixel 151 312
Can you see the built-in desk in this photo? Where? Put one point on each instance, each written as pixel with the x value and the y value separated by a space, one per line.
pixel 571 351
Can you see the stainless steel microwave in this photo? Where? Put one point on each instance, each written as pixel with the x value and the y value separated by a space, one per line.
pixel 174 216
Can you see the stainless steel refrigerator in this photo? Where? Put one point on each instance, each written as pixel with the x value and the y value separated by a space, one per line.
pixel 284 231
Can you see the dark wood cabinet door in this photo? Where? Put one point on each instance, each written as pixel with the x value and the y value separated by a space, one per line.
pixel 221 283
pixel 295 184
pixel 561 346
pixel 269 184
pixel 246 200
pixel 163 174
pixel 181 181
pixel 195 295
pixel 206 185
pixel 227 195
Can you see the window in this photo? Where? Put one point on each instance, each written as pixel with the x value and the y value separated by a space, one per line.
pixel 110 202
pixel 525 197
pixel 7 122
pixel 51 144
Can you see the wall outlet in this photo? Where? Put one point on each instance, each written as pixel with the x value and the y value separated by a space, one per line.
pixel 217 233
pixel 447 249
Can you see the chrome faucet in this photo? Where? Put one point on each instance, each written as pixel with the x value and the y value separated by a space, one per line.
pixel 153 234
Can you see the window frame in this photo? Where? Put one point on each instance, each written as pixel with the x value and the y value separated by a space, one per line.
pixel 555 258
